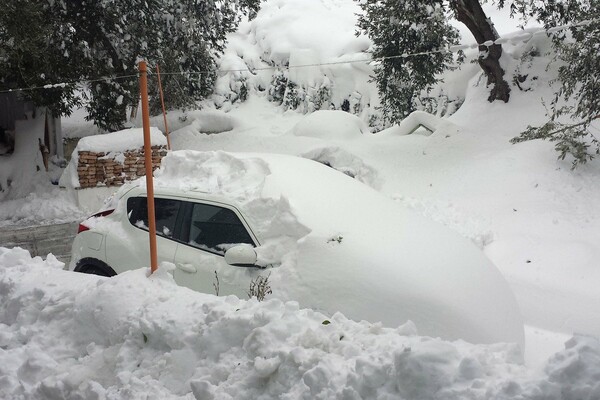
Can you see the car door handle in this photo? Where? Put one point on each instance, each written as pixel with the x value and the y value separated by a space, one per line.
pixel 189 268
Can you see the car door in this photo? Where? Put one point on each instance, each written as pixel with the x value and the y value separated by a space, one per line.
pixel 129 248
pixel 210 229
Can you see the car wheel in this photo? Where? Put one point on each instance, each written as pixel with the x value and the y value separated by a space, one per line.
pixel 95 267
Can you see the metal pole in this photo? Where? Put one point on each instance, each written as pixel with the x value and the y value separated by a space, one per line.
pixel 162 103
pixel 148 164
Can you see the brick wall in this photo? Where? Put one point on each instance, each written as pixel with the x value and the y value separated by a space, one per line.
pixel 100 169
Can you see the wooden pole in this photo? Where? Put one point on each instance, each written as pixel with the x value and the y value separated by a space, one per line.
pixel 162 103
pixel 148 164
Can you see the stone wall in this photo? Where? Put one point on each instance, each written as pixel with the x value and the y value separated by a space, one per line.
pixel 114 168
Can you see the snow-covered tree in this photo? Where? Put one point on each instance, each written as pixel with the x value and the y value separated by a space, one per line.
pixel 577 103
pixel 470 13
pixel 29 58
pixel 401 27
pixel 56 41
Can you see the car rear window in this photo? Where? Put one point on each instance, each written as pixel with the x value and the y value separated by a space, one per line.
pixel 216 229
pixel 165 210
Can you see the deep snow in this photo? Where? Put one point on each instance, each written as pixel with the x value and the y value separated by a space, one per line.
pixel 69 335
pixel 535 219
pixel 328 242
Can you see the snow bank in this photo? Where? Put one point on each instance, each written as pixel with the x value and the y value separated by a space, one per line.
pixel 47 204
pixel 69 335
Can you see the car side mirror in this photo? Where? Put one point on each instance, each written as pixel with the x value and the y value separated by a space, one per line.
pixel 241 256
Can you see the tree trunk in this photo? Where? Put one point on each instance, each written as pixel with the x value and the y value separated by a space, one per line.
pixel 470 13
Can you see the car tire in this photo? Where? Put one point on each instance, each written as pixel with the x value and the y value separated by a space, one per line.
pixel 95 267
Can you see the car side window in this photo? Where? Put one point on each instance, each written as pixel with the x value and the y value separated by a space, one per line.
pixel 216 229
pixel 165 211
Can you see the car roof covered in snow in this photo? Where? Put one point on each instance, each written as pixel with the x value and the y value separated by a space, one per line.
pixel 324 227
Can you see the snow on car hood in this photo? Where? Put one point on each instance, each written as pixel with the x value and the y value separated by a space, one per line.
pixel 341 246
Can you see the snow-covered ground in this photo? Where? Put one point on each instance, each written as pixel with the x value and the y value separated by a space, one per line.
pixel 77 336
pixel 535 218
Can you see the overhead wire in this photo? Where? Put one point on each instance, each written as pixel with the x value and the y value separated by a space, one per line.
pixel 521 37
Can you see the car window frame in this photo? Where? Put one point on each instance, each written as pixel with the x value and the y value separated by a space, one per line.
pixel 177 224
pixel 187 222
pixel 183 219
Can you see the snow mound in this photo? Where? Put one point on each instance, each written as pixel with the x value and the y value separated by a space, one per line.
pixel 282 25
pixel 127 139
pixel 418 119
pixel 313 228
pixel 70 335
pixel 331 124
pixel 241 180
pixel 212 172
pixel 211 121
pixel 346 162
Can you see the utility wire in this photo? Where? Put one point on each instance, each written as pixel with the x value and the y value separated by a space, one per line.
pixel 520 37
pixel 64 84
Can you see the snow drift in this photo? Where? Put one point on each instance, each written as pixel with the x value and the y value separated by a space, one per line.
pixel 334 244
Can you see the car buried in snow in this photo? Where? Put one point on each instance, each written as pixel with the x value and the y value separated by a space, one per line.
pixel 313 234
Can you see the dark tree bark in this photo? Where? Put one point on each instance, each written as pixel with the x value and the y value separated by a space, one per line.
pixel 470 13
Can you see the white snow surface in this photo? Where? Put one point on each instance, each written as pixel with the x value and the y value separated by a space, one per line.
pixel 390 264
pixel 331 124
pixel 134 336
pixel 46 205
pixel 127 139
pixel 421 119
pixel 537 220
pixel 27 196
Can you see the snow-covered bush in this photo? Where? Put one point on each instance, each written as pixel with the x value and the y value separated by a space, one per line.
pixel 287 56
pixel 575 105
pixel 404 28
pixel 72 41
pixel 278 86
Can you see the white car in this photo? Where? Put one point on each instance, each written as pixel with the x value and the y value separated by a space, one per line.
pixel 311 234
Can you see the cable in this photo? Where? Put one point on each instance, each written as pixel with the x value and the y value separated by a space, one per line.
pixel 63 84
pixel 522 37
